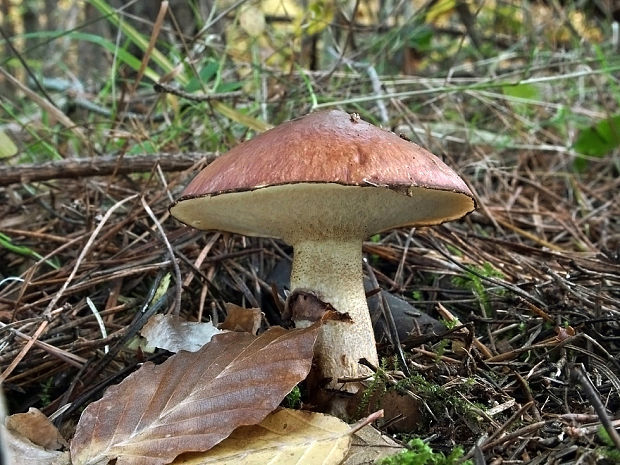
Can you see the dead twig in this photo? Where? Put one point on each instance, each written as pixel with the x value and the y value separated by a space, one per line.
pixel 164 88
pixel 99 166
pixel 579 375
pixel 389 320
pixel 47 106
pixel 176 307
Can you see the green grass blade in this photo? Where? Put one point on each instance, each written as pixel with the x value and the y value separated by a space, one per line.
pixel 7 243
pixel 136 38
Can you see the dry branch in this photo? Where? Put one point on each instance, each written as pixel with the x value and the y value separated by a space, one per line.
pixel 99 166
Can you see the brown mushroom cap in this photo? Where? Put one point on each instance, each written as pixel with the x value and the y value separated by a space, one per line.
pixel 327 172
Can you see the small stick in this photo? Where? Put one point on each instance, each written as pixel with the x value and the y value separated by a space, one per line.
pixel 578 374
pixel 163 9
pixel 514 435
pixel 529 235
pixel 528 395
pixel 164 88
pixel 63 355
pixel 389 320
pixel 366 421
pixel 447 315
pixel 537 310
pixel 434 355
pixel 553 343
pixel 176 309
pixel 46 106
pixel 95 311
pixel 100 166
pixel 516 289
pixel 201 258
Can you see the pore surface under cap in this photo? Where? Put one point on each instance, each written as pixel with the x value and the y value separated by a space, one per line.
pixel 303 210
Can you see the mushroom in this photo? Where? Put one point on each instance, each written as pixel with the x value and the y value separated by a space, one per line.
pixel 323 183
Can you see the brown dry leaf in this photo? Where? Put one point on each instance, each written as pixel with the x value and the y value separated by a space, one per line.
pixel 20 451
pixel 370 445
pixel 242 319
pixel 36 427
pixel 193 400
pixel 285 437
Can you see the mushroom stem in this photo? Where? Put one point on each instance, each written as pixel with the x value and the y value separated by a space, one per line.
pixel 333 269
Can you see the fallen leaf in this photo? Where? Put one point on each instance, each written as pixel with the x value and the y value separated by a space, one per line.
pixel 173 333
pixel 193 400
pixel 21 451
pixel 252 21
pixel 285 437
pixel 7 146
pixel 36 427
pixel 242 319
pixel 369 445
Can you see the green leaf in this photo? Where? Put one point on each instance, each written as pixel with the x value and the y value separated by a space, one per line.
pixel 524 91
pixel 229 86
pixel 600 139
pixel 597 141
pixel 519 95
pixel 320 14
pixel 142 147
pixel 206 74
pixel 239 117
pixel 421 38
pixel 183 78
pixel 122 54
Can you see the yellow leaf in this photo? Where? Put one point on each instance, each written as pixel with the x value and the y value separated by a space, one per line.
pixel 7 146
pixel 285 437
pixel 439 10
pixel 280 7
pixel 252 21
pixel 320 15
pixel 315 18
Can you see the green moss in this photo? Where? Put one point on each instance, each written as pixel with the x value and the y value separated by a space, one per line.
pixel 376 389
pixel 420 453
pixel 293 399
pixel 473 281
pixel 440 399
pixel 609 451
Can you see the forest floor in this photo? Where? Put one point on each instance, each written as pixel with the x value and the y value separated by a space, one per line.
pixel 525 366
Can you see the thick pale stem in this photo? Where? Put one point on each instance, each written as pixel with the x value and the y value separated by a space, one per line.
pixel 333 269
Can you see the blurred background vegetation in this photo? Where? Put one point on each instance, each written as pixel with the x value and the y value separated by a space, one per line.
pixel 453 75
